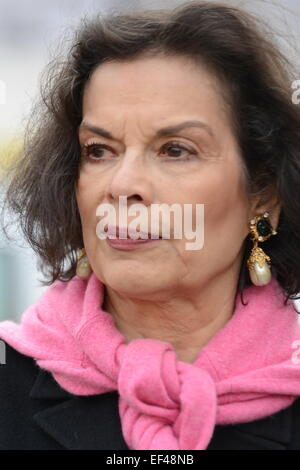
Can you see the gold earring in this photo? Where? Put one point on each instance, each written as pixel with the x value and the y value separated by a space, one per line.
pixel 83 268
pixel 259 264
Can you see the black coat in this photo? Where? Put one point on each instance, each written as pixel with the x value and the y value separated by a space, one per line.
pixel 37 414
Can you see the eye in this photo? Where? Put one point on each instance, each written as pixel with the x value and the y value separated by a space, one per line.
pixel 94 151
pixel 176 150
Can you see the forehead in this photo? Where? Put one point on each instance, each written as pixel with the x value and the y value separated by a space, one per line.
pixel 153 84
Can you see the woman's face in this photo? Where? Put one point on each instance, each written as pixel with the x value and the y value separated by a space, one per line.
pixel 197 165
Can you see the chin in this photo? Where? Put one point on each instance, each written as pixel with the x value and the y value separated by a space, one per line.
pixel 132 284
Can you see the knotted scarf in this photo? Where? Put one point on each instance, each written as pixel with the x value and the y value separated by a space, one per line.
pixel 248 370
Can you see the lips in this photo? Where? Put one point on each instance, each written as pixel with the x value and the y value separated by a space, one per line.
pixel 114 232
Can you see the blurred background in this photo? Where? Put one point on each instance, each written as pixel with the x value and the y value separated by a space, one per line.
pixel 29 33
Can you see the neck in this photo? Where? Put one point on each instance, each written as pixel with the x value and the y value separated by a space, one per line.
pixel 187 322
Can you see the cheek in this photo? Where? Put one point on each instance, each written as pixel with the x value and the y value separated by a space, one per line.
pixel 225 204
pixel 226 225
pixel 86 199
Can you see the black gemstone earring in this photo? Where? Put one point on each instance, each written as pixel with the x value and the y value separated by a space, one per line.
pixel 259 264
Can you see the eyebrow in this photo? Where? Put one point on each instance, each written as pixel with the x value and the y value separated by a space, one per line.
pixel 165 131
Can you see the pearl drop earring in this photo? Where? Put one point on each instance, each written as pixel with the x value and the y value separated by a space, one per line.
pixel 83 268
pixel 259 264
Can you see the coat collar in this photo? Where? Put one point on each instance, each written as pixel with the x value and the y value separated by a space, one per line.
pixel 93 422
pixel 77 422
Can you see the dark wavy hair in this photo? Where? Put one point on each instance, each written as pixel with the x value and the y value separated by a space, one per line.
pixel 256 82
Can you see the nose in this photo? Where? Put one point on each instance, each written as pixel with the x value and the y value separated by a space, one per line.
pixel 130 178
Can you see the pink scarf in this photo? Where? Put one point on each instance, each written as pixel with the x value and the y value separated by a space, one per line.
pixel 249 370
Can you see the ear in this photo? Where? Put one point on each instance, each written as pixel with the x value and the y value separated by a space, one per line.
pixel 266 202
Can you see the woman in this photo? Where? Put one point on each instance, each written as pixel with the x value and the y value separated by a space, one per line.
pixel 144 344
